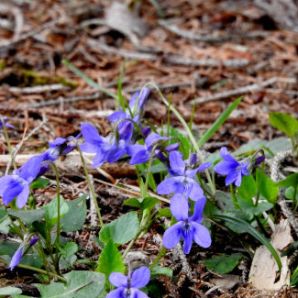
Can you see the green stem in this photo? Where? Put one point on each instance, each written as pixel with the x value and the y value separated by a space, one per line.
pixel 160 254
pixel 58 204
pixel 189 132
pixel 91 188
pixel 38 270
pixel 7 140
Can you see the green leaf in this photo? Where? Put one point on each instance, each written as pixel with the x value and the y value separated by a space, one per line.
pixel 80 284
pixel 28 216
pixel 164 212
pixel 291 193
pixel 223 264
pixel 6 291
pixel 291 180
pixel 51 212
pixel 158 270
pixel 110 260
pixel 75 218
pixel 219 122
pixel 5 221
pixel 178 137
pixel 40 183
pixel 253 232
pixel 275 146
pixel 284 122
pixel 248 188
pixel 132 202
pixel 149 203
pixel 68 256
pixel 121 230
pixel 294 278
pixel 266 186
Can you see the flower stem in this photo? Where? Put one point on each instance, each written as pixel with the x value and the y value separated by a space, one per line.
pixel 189 132
pixel 91 189
pixel 160 254
pixel 38 270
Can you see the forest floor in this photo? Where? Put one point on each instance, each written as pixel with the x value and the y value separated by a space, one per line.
pixel 201 54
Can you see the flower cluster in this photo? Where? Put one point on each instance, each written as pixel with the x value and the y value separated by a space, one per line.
pixel 17 185
pixel 183 185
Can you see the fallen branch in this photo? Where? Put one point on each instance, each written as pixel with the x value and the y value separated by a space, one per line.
pixel 242 90
pixel 167 58
pixel 197 36
pixel 37 89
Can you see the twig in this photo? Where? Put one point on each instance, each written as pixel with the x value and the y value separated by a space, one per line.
pixel 37 89
pixel 24 139
pixel 242 90
pixel 71 99
pixel 185 266
pixel 21 38
pixel 167 58
pixel 275 176
pixel 197 36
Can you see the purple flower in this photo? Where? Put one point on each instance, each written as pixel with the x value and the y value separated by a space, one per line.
pixel 187 228
pixel 182 180
pixel 18 255
pixel 128 286
pixel 17 185
pixel 231 168
pixel 3 123
pixel 106 149
pixel 126 120
pixel 141 153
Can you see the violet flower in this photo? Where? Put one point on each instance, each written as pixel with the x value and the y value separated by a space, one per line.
pixel 142 153
pixel 17 185
pixel 126 120
pixel 3 123
pixel 188 228
pixel 128 286
pixel 18 255
pixel 106 149
pixel 231 168
pixel 182 180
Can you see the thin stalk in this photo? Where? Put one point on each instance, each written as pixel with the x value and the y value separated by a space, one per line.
pixel 91 188
pixel 38 270
pixel 9 147
pixel 132 242
pixel 189 132
pixel 160 254
pixel 58 204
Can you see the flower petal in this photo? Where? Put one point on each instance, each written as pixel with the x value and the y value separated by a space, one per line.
pixel 140 157
pixel 179 207
pixel 224 167
pixel 172 235
pixel 13 189
pixel 90 133
pixel 196 193
pixel 232 177
pixel 31 168
pixel 153 138
pixel 135 293
pixel 118 293
pixel 201 235
pixel 118 279
pixel 198 210
pixel 22 198
pixel 140 277
pixel 177 163
pixel 16 258
pixel 188 239
pixel 117 116
pixel 203 166
pixel 170 185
